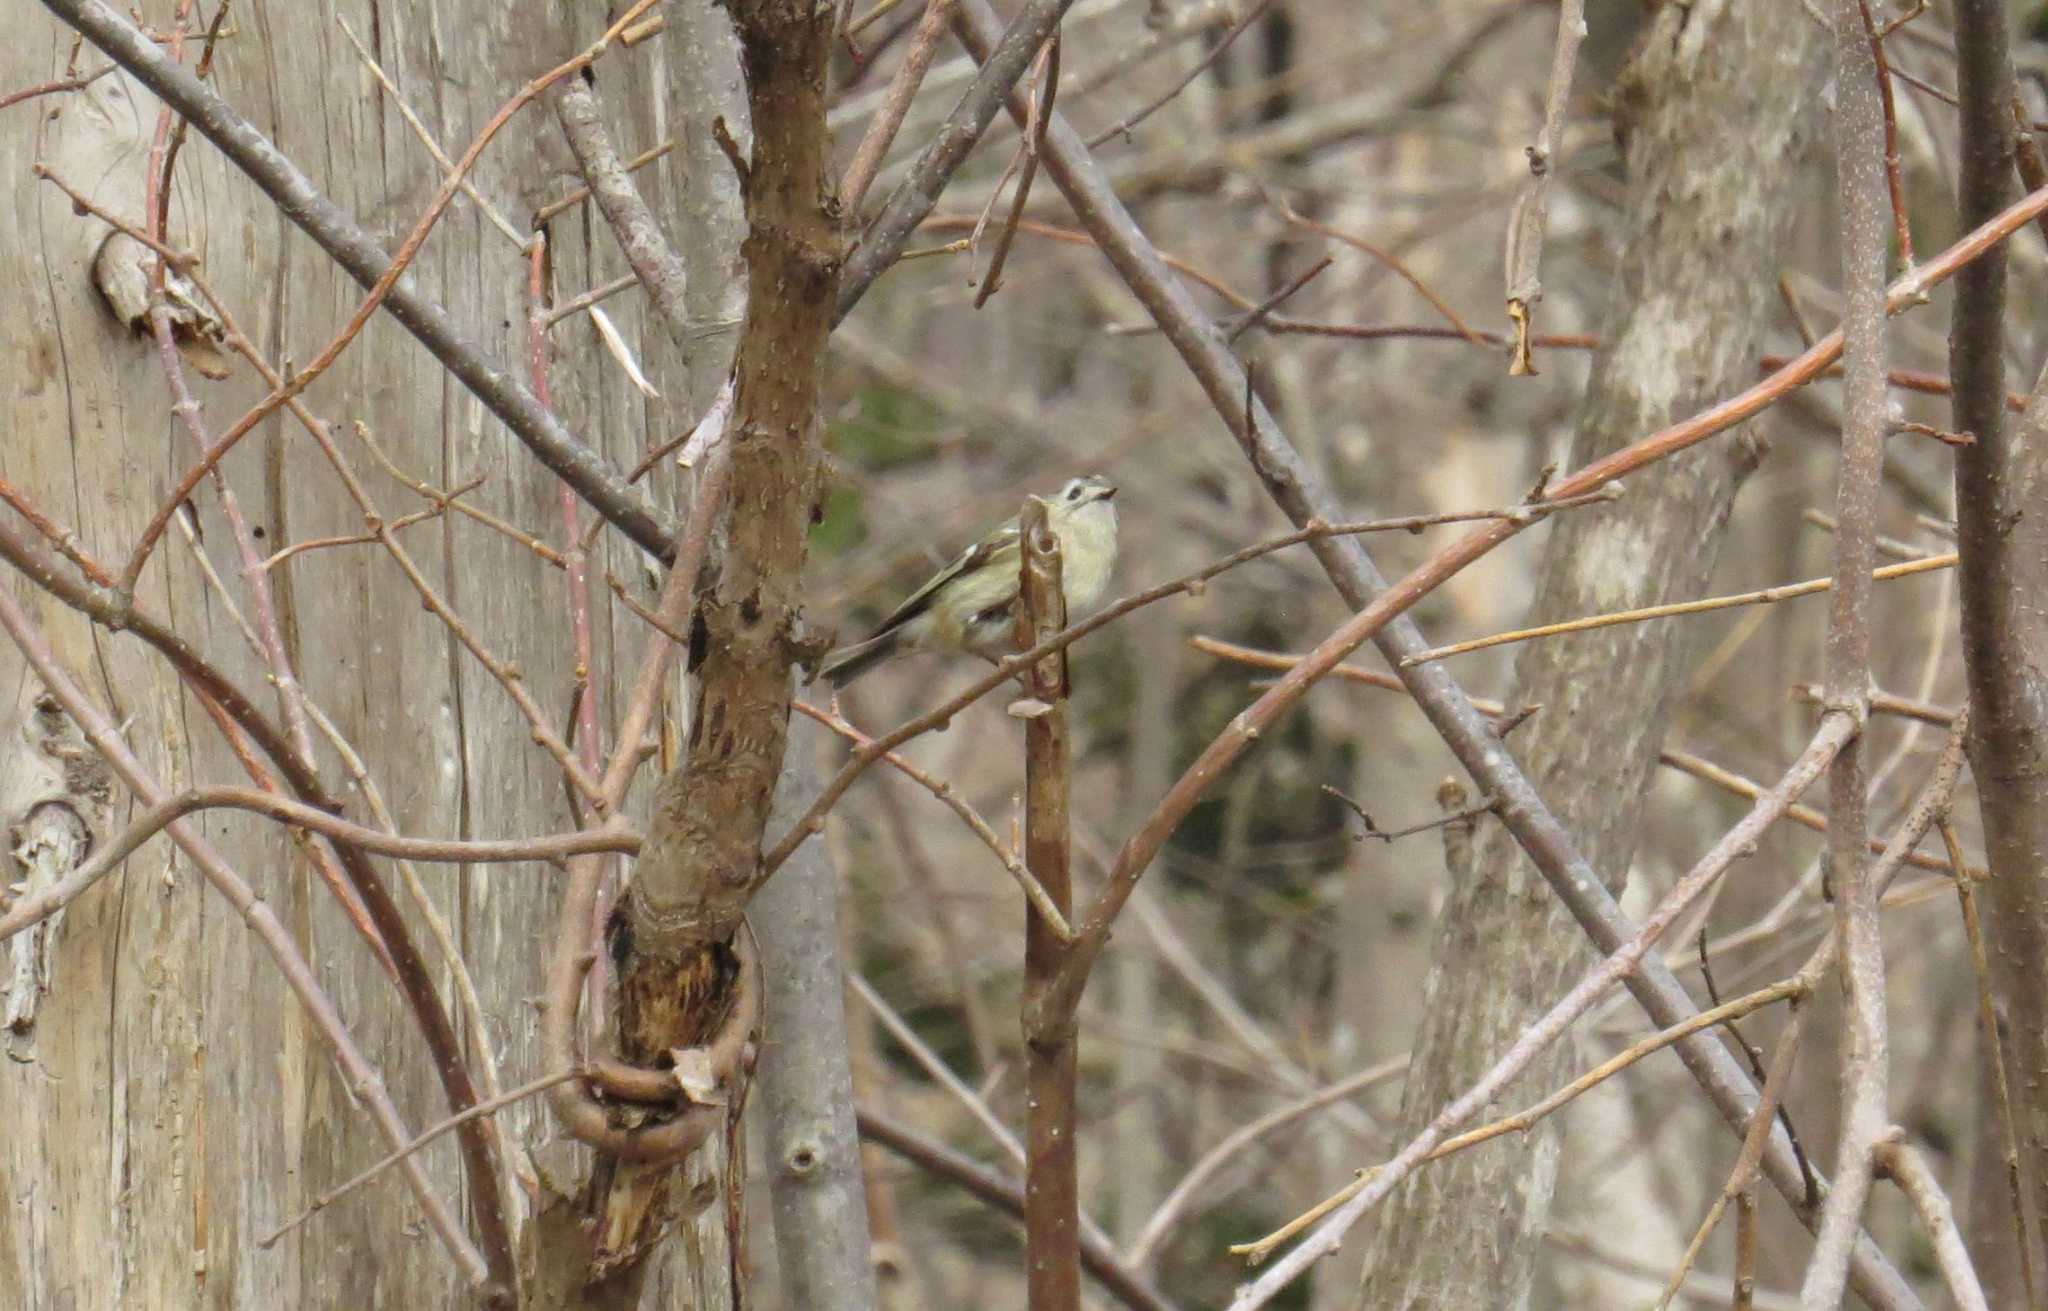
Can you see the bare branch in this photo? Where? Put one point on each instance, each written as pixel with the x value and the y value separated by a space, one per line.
pixel 881 133
pixel 653 260
pixel 1467 733
pixel 239 716
pixel 1034 892
pixel 483 1108
pixel 1908 1169
pixel 356 251
pixel 1762 596
pixel 1098 1258
pixel 1177 1202
pixel 1315 531
pixel 1792 989
pixel 426 138
pixel 1994 1056
pixel 1834 731
pixel 1127 122
pixel 1052 1193
pixel 361 1075
pixel 1528 222
pixel 1742 1179
pixel 914 197
pixel 2003 634
pixel 1865 1058
pixel 162 815
pixel 1685 762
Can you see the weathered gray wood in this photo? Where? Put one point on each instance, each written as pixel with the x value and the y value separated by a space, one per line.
pixel 805 1087
pixel 182 1108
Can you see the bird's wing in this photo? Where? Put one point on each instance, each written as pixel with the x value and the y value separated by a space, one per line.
pixel 972 558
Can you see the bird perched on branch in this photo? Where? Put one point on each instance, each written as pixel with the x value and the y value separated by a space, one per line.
pixel 967 605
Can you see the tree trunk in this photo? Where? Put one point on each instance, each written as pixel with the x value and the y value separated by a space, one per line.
pixel 1711 120
pixel 2000 481
pixel 182 1106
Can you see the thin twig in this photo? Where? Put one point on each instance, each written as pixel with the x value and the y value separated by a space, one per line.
pixel 1887 703
pixel 1792 989
pixel 1177 1202
pixel 1902 228
pixel 576 305
pixel 1833 732
pixel 1282 326
pixel 1006 668
pixel 678 601
pixel 1763 596
pixel 884 238
pixel 1890 547
pixel 503 671
pixel 1742 1179
pixel 1256 315
pixel 426 138
pixel 946 920
pixel 1994 1057
pixel 1372 830
pixel 311 544
pixel 1098 1258
pixel 1071 237
pixel 44 902
pixel 362 1077
pixel 874 143
pixel 64 540
pixel 1729 781
pixel 1529 220
pixel 276 655
pixel 935 1066
pixel 366 261
pixel 1045 78
pixel 1919 8
pixel 547 213
pixel 517 1161
pixel 1742 1276
pixel 1684 762
pixel 1908 1169
pixel 1153 106
pixel 489 1107
pixel 1386 258
pixel 639 234
pixel 54 88
pixel 180 128
pixel 1034 891
pixel 575 559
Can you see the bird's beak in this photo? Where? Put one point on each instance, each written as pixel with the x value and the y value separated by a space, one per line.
pixel 1109 492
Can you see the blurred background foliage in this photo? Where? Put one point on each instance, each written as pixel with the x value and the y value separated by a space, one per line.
pixel 1268 919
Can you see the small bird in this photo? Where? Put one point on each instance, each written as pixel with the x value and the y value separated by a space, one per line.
pixel 967 605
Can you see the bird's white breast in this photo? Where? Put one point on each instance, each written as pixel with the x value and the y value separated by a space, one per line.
pixel 1087 553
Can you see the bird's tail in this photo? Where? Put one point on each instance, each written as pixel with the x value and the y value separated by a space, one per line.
pixel 850 662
